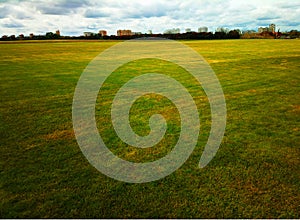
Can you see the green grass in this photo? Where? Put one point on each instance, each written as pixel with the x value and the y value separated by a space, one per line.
pixel 255 173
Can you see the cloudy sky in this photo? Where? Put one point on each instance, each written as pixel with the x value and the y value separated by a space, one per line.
pixel 73 17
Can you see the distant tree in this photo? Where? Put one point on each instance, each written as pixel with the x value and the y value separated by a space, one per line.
pixel 220 35
pixel 294 34
pixel 233 34
pixel 239 31
pixel 49 35
pixel 248 32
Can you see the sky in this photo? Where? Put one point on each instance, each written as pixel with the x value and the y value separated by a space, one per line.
pixel 73 17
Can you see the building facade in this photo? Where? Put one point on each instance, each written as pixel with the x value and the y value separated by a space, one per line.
pixel 103 33
pixel 202 29
pixel 87 34
pixel 271 28
pixel 172 31
pixel 124 33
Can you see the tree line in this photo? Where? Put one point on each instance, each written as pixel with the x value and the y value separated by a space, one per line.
pixel 233 34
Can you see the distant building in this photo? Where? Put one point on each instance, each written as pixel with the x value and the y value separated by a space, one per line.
pixel 57 33
pixel 271 28
pixel 188 30
pixel 103 33
pixel 31 35
pixel 263 29
pixel 221 29
pixel 202 29
pixel 88 34
pixel 249 31
pixel 172 31
pixel 124 33
pixel 21 36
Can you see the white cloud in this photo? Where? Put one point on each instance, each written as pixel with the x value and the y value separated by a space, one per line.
pixel 73 17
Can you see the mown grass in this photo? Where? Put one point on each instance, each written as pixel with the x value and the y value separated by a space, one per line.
pixel 255 174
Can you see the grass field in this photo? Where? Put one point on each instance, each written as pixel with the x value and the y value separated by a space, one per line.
pixel 255 173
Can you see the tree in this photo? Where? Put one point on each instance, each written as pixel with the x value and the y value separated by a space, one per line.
pixel 294 34
pixel 233 34
pixel 220 35
pixel 49 35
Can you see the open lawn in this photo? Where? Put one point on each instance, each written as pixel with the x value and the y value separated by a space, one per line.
pixel 255 173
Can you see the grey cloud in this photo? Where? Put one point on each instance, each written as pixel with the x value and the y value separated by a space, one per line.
pixel 72 4
pixel 92 26
pixel 147 14
pixel 245 24
pixel 15 12
pixel 292 24
pixel 288 5
pixel 151 11
pixel 61 7
pixel 92 13
pixel 267 18
pixel 139 15
pixel 53 10
pixel 3 12
pixel 148 9
pixel 120 10
pixel 13 24
pixel 23 16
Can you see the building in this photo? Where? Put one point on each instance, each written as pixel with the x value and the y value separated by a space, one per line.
pixel 103 33
pixel 262 29
pixel 188 30
pixel 57 33
pixel 222 29
pixel 202 29
pixel 124 33
pixel 88 34
pixel 172 31
pixel 31 35
pixel 271 28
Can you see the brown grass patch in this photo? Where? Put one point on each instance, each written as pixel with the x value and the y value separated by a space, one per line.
pixel 60 134
pixel 252 91
pixel 296 108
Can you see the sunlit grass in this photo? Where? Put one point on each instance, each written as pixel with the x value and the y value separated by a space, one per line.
pixel 255 174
